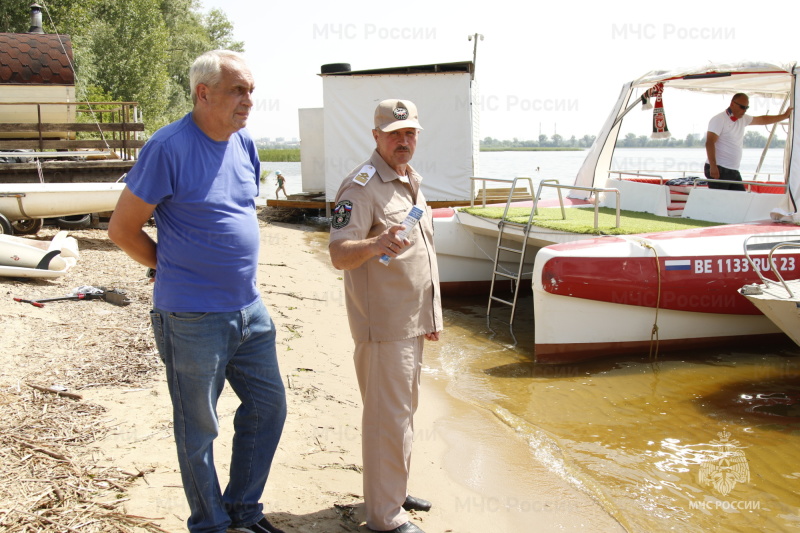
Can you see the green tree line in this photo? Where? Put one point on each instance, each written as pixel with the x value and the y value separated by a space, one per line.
pixel 752 139
pixel 131 50
pixel 556 141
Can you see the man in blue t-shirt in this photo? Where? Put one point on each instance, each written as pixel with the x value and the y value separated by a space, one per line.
pixel 198 177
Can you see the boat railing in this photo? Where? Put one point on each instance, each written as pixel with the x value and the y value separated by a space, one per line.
pixel 483 191
pixel 773 267
pixel 659 174
pixel 550 183
pixel 749 184
pixel 593 190
pixel 643 175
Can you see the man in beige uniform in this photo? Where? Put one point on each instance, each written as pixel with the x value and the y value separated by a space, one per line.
pixel 392 308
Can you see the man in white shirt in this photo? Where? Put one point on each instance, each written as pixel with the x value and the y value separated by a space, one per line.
pixel 724 141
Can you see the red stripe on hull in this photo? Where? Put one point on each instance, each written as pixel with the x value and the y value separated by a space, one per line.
pixel 709 285
pixel 443 212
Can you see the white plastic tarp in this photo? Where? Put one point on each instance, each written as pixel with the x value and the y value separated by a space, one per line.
pixel 445 150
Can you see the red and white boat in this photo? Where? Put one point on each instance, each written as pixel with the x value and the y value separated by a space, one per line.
pixel 680 289
pixel 661 291
pixel 653 292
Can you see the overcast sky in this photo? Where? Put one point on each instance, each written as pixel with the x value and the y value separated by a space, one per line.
pixel 543 67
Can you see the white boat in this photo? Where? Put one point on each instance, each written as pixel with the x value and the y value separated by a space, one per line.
pixel 50 200
pixel 22 257
pixel 35 201
pixel 652 292
pixel 698 270
pixel 663 291
pixel 466 246
pixel 778 298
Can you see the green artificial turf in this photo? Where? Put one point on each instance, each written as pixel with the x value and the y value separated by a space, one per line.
pixel 581 220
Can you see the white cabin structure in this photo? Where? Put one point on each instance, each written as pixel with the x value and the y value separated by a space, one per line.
pixel 446 98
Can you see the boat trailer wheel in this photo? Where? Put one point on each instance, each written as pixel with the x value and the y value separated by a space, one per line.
pixel 28 226
pixel 5 226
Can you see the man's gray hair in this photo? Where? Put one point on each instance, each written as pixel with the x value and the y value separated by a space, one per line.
pixel 207 68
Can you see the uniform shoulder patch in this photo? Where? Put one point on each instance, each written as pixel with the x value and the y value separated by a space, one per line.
pixel 341 214
pixel 364 175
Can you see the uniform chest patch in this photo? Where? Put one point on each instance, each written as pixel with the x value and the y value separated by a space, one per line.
pixel 341 214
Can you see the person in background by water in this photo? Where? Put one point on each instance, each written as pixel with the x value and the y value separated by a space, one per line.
pixel 281 182
pixel 199 177
pixel 392 308
pixel 725 139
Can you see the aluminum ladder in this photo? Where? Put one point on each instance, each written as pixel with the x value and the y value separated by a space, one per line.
pixel 496 268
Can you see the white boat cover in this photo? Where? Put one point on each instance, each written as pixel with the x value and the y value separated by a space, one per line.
pixel 754 78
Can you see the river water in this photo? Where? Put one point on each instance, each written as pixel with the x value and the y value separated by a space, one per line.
pixel 699 441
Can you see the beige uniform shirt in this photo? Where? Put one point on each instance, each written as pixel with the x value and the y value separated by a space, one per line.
pixel 401 300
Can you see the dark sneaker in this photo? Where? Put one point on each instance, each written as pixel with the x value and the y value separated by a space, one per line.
pixel 262 526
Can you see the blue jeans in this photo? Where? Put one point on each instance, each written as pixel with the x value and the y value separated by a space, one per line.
pixel 201 351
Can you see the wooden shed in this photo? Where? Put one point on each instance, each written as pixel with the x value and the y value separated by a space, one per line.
pixel 37 82
pixel 42 134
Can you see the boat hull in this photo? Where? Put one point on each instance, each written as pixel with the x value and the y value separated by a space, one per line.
pixel 664 291
pixel 465 255
pixel 466 246
pixel 782 308
pixel 48 200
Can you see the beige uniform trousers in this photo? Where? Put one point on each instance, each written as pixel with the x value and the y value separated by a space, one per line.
pixel 389 377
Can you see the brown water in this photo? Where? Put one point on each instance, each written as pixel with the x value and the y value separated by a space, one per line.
pixel 702 441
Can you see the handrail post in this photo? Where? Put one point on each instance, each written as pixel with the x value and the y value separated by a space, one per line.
pixel 592 190
pixel 472 192
pixel 539 194
pixel 39 126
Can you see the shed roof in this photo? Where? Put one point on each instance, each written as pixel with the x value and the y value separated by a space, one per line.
pixel 36 59
pixel 461 66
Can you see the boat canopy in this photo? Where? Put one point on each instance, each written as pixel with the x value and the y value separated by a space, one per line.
pixel 763 79
pixel 754 78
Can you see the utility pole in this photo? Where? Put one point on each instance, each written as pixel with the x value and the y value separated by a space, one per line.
pixel 474 37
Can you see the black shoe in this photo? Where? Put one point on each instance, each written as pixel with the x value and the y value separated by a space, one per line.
pixel 408 527
pixel 416 504
pixel 262 526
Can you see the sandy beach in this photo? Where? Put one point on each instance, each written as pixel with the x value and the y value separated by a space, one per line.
pixel 110 465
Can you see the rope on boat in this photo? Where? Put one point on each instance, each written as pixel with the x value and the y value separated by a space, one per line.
pixel 654 331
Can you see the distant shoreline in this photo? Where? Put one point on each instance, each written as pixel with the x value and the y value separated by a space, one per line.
pixel 534 149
